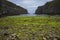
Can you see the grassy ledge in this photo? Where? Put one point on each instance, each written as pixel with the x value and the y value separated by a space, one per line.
pixel 31 28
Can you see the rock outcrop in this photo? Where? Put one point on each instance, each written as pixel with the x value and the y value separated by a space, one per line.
pixel 9 9
pixel 50 8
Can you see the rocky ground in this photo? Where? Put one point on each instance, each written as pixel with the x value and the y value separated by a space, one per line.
pixel 30 28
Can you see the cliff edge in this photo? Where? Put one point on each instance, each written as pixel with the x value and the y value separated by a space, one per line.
pixel 9 9
pixel 50 8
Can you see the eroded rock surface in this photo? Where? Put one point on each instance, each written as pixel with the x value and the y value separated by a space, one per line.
pixel 8 9
pixel 50 8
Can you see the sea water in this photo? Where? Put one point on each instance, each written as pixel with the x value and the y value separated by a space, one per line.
pixel 32 14
pixel 28 14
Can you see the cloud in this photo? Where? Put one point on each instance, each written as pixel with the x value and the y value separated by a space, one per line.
pixel 30 5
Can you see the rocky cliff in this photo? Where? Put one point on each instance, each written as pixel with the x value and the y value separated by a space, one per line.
pixel 8 9
pixel 50 8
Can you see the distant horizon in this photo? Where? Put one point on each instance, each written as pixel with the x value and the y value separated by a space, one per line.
pixel 30 5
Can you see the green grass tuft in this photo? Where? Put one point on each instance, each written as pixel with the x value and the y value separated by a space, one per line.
pixel 31 27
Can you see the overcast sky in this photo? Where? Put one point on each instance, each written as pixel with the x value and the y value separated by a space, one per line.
pixel 30 5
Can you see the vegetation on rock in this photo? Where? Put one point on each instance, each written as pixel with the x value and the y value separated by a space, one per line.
pixel 50 8
pixel 8 9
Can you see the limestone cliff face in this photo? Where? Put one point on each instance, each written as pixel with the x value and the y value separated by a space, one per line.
pixel 8 9
pixel 50 8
